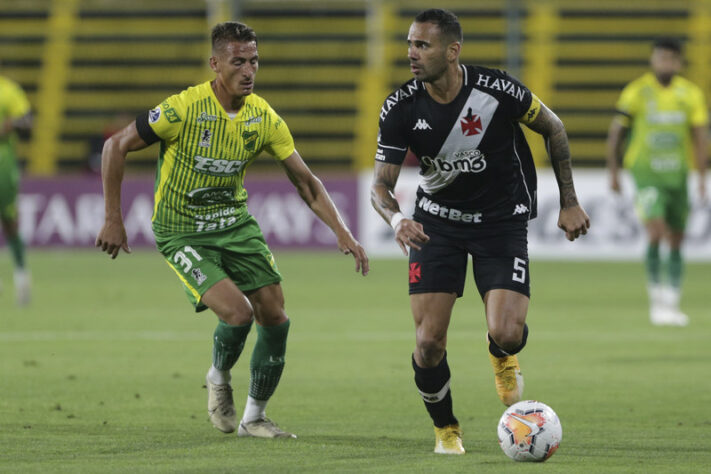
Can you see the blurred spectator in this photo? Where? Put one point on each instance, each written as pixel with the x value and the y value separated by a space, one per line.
pixel 14 115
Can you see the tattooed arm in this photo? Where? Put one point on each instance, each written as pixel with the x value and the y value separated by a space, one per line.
pixel 572 219
pixel 382 197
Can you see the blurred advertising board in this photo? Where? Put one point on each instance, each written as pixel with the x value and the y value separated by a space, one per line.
pixel 615 231
pixel 70 211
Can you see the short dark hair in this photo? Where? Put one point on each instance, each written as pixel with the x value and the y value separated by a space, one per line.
pixel 230 31
pixel 668 43
pixel 447 22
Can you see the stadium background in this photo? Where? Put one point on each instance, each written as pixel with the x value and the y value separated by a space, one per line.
pixel 90 66
pixel 102 372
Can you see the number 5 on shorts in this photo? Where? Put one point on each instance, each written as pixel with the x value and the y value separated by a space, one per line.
pixel 519 273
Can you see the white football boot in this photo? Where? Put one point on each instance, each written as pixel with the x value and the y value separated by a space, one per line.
pixel 22 287
pixel 221 406
pixel 262 428
pixel 671 298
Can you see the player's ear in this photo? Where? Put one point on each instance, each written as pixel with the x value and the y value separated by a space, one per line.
pixel 214 64
pixel 453 51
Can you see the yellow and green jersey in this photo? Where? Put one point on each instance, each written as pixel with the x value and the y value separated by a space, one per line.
pixel 13 105
pixel 204 154
pixel 660 118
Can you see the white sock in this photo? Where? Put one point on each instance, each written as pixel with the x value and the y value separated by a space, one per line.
pixel 254 409
pixel 656 296
pixel 218 377
pixel 672 296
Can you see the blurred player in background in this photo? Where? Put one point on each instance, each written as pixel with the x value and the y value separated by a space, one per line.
pixel 14 115
pixel 667 119
pixel 476 195
pixel 209 135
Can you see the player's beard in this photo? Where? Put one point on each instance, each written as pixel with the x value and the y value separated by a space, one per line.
pixel 665 78
pixel 438 70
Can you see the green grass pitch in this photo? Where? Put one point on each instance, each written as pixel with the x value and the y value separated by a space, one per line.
pixel 104 373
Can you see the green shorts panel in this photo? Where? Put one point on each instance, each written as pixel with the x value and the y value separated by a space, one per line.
pixel 239 253
pixel 9 181
pixel 670 204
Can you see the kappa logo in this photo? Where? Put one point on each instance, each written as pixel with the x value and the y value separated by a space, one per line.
pixel 205 138
pixel 520 209
pixel 199 276
pixel 422 125
pixel 471 124
pixel 154 115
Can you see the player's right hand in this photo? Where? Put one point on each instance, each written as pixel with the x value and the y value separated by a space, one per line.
pixel 112 238
pixel 409 233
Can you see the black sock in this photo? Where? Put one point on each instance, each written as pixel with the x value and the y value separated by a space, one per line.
pixel 433 384
pixel 496 351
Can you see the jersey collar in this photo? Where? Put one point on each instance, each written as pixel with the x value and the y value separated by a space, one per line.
pixel 241 114
pixel 652 80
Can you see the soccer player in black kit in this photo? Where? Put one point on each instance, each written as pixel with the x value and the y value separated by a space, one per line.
pixel 476 194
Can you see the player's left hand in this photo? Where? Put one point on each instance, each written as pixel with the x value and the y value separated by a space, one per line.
pixel 574 222
pixel 350 246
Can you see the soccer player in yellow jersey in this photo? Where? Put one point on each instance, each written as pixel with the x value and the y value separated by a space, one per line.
pixel 209 135
pixel 667 120
pixel 14 115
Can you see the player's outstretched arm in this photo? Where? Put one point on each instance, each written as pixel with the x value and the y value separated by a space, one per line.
pixel 314 194
pixel 572 219
pixel 615 138
pixel 112 236
pixel 382 197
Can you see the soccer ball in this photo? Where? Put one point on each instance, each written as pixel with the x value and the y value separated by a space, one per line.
pixel 529 431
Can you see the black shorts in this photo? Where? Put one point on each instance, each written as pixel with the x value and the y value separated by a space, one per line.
pixel 499 253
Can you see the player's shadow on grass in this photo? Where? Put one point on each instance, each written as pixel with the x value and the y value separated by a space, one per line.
pixel 656 359
pixel 379 443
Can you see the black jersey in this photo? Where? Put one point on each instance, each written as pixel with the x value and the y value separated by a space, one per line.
pixel 475 164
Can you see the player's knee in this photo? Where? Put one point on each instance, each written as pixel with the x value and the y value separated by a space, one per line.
pixel 509 338
pixel 237 315
pixel 271 317
pixel 431 349
pixel 508 342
